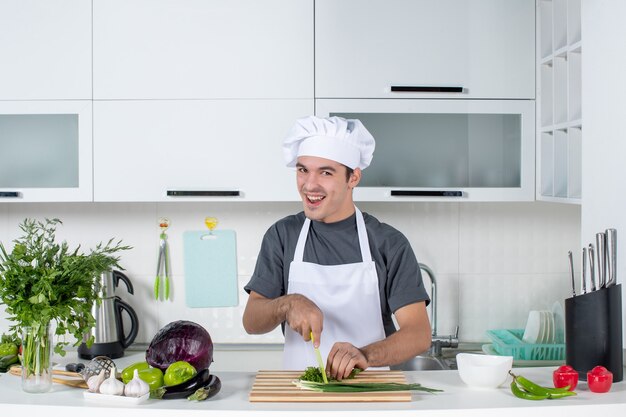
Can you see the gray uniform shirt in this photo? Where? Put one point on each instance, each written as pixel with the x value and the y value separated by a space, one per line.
pixel 399 277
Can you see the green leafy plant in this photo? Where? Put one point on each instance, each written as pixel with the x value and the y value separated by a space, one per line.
pixel 42 281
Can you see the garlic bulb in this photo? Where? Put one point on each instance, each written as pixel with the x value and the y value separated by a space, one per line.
pixel 136 387
pixel 111 386
pixel 94 381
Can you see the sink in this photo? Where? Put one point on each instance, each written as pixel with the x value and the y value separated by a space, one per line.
pixel 426 363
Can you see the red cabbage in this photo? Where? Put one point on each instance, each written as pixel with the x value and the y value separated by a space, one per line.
pixel 181 341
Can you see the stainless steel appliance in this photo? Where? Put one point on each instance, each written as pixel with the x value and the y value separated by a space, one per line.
pixel 110 337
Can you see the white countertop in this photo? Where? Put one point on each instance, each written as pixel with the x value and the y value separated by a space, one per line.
pixel 457 399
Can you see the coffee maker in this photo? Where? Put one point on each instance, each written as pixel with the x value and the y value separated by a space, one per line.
pixel 110 339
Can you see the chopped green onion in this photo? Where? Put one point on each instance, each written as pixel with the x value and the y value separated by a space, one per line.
pixel 361 386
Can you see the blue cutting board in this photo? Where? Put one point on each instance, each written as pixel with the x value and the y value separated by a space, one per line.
pixel 210 269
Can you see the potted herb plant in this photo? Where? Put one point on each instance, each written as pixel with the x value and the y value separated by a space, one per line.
pixel 43 282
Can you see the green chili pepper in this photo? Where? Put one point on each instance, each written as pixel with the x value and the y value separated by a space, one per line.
pixel 528 390
pixel 515 389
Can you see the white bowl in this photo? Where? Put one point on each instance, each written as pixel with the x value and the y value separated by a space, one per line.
pixel 483 371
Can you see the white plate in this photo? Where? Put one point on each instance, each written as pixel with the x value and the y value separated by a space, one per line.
pixel 559 322
pixel 532 332
pixel 114 399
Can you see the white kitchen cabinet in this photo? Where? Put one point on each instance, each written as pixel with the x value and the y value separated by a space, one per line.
pixel 220 150
pixel 203 49
pixel 45 49
pixel 559 108
pixel 45 151
pixel 444 150
pixel 484 47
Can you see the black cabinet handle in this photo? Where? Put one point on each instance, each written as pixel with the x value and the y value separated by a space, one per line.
pixel 420 193
pixel 9 194
pixel 425 89
pixel 203 193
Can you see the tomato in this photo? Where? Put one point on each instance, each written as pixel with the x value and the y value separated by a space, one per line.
pixel 565 376
pixel 599 379
pixel 178 372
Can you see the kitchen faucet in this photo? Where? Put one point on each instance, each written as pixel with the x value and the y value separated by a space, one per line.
pixel 438 342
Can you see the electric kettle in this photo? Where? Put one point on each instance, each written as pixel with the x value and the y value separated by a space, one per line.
pixel 110 337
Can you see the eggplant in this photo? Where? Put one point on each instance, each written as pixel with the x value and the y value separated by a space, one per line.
pixel 184 389
pixel 208 391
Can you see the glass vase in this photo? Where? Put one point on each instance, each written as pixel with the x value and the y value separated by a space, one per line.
pixel 36 354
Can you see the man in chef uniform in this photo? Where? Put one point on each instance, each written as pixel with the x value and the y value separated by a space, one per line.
pixel 332 270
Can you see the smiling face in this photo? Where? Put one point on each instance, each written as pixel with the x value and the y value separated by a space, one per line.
pixel 325 191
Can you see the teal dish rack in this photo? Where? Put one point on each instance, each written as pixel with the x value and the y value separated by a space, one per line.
pixel 508 342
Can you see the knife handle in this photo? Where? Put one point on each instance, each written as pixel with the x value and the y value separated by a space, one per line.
pixel 611 254
pixel 592 269
pixel 583 274
pixel 601 257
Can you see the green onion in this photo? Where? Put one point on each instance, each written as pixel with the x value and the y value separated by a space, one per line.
pixel 360 386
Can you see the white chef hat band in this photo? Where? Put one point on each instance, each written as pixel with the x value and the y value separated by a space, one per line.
pixel 330 148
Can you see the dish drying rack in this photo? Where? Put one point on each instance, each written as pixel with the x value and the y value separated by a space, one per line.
pixel 508 342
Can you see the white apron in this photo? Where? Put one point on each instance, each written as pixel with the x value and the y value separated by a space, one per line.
pixel 347 295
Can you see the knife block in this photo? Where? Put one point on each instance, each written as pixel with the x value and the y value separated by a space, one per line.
pixel 593 331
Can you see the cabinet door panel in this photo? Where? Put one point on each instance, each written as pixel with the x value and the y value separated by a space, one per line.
pixel 45 151
pixel 45 49
pixel 434 149
pixel 145 148
pixel 198 49
pixel 484 46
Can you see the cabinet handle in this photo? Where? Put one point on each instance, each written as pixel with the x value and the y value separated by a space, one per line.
pixel 9 194
pixel 425 89
pixel 203 193
pixel 419 193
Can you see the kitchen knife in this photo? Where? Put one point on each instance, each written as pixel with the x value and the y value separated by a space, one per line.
pixel 571 270
pixel 320 362
pixel 592 270
pixel 583 275
pixel 601 258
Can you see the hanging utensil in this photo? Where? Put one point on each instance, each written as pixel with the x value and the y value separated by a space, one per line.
pixel 601 257
pixel 592 269
pixel 571 270
pixel 611 255
pixel 163 263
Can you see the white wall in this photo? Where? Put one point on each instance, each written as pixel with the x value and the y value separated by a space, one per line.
pixel 604 113
pixel 493 261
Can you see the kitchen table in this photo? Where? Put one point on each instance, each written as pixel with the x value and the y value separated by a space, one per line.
pixel 457 399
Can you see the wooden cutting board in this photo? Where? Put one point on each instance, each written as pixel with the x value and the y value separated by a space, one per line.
pixel 277 386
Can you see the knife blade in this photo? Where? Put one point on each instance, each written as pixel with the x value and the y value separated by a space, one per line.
pixel 320 362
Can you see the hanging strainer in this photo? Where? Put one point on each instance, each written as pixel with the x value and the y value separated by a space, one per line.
pixel 96 365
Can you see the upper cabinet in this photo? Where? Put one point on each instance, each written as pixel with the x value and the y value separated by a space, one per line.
pixel 425 49
pixel 559 63
pixel 45 49
pixel 45 147
pixel 199 49
pixel 194 150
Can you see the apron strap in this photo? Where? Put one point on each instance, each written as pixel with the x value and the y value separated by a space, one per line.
pixel 298 255
pixel 363 242
pixel 366 255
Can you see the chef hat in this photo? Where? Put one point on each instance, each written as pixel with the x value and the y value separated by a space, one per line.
pixel 345 141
